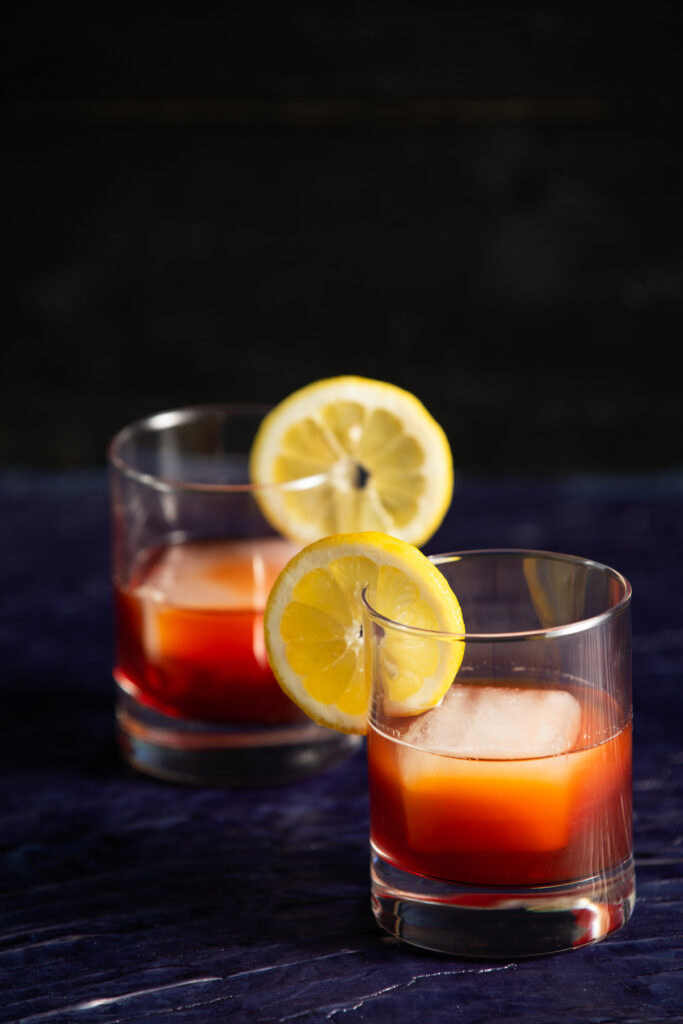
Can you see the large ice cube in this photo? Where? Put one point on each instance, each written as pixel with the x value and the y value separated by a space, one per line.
pixel 501 791
pixel 233 575
pixel 217 574
pixel 501 722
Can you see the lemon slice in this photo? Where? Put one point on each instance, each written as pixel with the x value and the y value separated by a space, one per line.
pixel 387 461
pixel 314 635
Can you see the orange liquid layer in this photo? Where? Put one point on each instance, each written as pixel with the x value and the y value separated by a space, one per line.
pixel 203 663
pixel 537 821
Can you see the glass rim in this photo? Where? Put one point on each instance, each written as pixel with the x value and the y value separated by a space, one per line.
pixel 169 418
pixel 549 632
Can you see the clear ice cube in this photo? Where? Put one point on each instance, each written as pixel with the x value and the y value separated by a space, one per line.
pixel 232 575
pixel 219 574
pixel 499 722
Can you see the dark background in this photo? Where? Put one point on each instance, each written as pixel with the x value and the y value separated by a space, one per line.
pixel 479 202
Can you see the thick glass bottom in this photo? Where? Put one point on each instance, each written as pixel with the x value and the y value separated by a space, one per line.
pixel 500 922
pixel 200 753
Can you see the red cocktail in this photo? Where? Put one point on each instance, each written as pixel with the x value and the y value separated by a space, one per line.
pixel 194 559
pixel 500 820
pixel 540 820
pixel 190 632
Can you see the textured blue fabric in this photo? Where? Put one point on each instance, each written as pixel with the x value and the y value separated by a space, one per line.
pixel 124 899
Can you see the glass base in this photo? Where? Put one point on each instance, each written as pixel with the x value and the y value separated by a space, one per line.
pixel 486 922
pixel 200 753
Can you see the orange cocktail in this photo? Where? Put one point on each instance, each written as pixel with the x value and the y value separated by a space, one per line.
pixel 194 557
pixel 190 631
pixel 487 821
pixel 500 815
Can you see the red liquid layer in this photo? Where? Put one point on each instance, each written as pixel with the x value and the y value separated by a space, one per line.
pixel 190 633
pixel 535 821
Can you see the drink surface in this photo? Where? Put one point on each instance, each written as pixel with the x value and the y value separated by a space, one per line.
pixel 190 632
pixel 516 817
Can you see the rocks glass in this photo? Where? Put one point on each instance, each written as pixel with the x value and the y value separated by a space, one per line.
pixel 500 820
pixel 193 562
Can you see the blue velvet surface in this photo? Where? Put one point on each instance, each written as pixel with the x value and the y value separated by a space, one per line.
pixel 124 899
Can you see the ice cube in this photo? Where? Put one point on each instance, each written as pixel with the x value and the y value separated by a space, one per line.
pixel 218 574
pixel 229 575
pixel 499 722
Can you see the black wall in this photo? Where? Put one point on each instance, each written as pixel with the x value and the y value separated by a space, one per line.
pixel 481 203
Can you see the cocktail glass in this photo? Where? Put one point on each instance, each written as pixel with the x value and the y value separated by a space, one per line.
pixel 500 821
pixel 193 562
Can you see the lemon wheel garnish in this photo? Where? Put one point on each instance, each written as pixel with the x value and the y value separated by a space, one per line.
pixel 387 462
pixel 314 628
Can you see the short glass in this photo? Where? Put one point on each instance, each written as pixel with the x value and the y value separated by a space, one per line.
pixel 193 561
pixel 500 821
